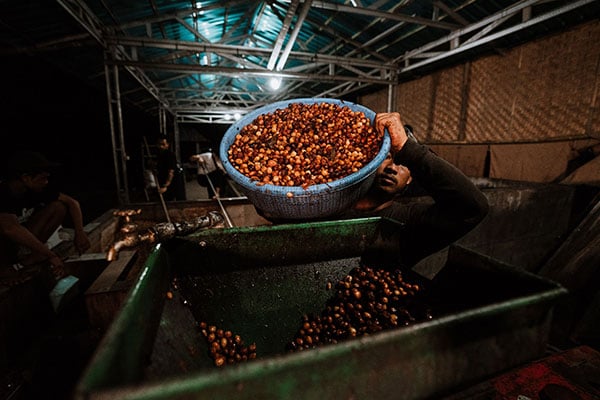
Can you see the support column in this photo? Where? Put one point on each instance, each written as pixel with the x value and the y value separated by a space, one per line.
pixel 113 95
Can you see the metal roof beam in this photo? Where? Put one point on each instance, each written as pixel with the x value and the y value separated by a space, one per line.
pixel 383 14
pixel 236 72
pixel 244 19
pixel 365 46
pixel 294 35
pixel 185 12
pixel 487 25
pixel 450 12
pixel 222 49
pixel 287 22
pixel 88 20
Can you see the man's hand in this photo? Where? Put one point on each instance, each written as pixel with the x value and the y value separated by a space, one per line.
pixel 81 242
pixel 57 266
pixel 395 128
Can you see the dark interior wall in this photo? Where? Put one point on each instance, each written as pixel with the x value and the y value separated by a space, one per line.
pixel 46 110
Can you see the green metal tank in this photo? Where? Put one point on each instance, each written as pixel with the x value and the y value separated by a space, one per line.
pixel 259 282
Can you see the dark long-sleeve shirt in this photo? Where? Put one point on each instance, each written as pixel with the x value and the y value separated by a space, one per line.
pixel 165 162
pixel 457 207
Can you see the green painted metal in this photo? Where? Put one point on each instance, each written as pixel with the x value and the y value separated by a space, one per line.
pixel 269 245
pixel 122 360
pixel 258 282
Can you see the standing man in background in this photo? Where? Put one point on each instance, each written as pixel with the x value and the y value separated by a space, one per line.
pixel 211 173
pixel 167 171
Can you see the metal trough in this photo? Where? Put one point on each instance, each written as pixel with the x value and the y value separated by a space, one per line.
pixel 258 282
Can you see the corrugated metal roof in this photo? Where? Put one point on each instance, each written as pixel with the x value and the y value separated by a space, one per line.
pixel 204 60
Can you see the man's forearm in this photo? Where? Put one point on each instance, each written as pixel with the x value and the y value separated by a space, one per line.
pixel 24 237
pixel 170 178
pixel 437 175
pixel 74 210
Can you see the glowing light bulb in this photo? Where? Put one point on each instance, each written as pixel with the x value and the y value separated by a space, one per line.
pixel 275 83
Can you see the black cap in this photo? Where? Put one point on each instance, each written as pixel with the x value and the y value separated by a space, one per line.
pixel 28 162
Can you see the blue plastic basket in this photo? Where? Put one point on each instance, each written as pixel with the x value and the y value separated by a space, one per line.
pixel 315 201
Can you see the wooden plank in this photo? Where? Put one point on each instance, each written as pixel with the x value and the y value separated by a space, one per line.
pixel 87 267
pixel 112 272
pixel 106 295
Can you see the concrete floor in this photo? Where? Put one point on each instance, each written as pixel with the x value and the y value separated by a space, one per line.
pixel 194 191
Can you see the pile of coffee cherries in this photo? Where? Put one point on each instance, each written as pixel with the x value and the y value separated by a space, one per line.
pixel 304 145
pixel 226 348
pixel 366 301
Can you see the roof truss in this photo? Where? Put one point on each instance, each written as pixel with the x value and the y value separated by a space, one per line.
pixel 205 61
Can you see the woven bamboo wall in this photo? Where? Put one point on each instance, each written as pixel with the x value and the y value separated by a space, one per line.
pixel 543 91
pixel 376 101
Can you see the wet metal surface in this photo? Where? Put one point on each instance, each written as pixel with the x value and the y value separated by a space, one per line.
pixel 258 282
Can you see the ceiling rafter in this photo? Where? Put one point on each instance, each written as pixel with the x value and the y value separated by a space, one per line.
pixel 383 14
pixel 487 25
pixel 294 35
pixel 239 51
pixel 211 55
pixel 286 25
pixel 86 18
pixel 236 72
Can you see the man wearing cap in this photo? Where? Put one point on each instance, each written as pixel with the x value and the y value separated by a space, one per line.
pixel 30 211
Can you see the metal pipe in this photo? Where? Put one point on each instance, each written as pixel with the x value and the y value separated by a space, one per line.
pixel 129 240
pixel 164 231
pixel 203 165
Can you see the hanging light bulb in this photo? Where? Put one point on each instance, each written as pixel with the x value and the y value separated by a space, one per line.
pixel 275 83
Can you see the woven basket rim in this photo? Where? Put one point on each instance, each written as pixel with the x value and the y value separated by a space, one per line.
pixel 284 191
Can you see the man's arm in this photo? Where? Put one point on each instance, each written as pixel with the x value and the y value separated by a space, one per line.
pixel 12 230
pixel 170 174
pixel 81 240
pixel 456 197
pixel 458 205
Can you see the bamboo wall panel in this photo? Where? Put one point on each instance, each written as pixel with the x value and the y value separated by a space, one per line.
pixel 376 101
pixel 414 102
pixel 470 159
pixel 444 123
pixel 541 90
pixel 490 110
pixel 545 89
